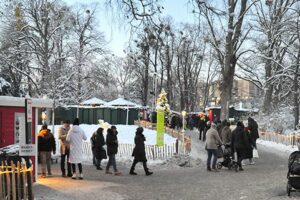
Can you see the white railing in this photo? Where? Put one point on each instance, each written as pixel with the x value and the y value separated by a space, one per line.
pixel 153 152
pixel 291 139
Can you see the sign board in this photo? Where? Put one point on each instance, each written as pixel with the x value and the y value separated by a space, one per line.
pixel 20 128
pixel 160 128
pixel 28 121
pixel 27 150
pixel 29 110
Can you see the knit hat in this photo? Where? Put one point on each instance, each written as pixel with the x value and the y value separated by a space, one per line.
pixel 76 122
pixel 139 130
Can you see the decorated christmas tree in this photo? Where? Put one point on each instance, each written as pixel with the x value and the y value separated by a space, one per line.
pixel 162 103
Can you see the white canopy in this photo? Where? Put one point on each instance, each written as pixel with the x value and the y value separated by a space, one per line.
pixel 20 102
pixel 121 102
pixel 93 101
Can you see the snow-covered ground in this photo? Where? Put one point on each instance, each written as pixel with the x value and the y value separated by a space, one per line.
pixel 126 133
pixel 277 148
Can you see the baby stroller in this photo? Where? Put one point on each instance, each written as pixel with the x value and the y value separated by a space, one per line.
pixel 293 174
pixel 228 161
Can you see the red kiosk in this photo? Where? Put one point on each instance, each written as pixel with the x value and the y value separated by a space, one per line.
pixel 16 120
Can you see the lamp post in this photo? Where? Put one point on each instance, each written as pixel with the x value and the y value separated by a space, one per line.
pixel 183 113
pixel 154 88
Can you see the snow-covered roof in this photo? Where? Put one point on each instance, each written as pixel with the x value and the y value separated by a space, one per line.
pixel 247 110
pixel 20 102
pixel 93 101
pixel 121 102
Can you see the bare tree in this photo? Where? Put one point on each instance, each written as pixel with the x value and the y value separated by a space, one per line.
pixel 229 52
pixel 87 43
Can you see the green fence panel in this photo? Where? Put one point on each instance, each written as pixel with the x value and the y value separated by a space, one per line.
pixel 91 116
pixel 133 115
pixel 122 115
pixel 114 116
pixel 99 113
pixel 107 115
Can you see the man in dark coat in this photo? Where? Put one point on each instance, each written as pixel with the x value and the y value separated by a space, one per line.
pixel 93 141
pixel 112 149
pixel 139 152
pixel 46 145
pixel 240 143
pixel 100 152
pixel 253 129
pixel 201 126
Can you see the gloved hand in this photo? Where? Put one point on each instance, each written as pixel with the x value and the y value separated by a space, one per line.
pixel 54 152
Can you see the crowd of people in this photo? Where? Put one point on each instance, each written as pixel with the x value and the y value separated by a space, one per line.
pixel 242 142
pixel 71 139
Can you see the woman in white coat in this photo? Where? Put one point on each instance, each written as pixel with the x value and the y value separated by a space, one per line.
pixel 75 137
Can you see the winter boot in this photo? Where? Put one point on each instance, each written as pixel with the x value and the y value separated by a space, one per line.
pixel 118 173
pixel 80 176
pixel 132 171
pixel 148 173
pixel 74 176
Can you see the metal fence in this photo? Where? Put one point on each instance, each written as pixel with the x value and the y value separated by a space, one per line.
pixel 15 182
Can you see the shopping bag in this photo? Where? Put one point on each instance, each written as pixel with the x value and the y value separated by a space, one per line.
pixel 255 153
pixel 235 156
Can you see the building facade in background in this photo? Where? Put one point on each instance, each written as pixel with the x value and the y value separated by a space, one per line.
pixel 246 94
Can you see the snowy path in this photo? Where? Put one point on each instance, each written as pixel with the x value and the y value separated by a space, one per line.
pixel 265 180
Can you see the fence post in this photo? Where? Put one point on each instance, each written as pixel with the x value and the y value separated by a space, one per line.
pixel 1 184
pixel 24 180
pixel 7 181
pixel 29 184
pixel 13 180
pixel 177 147
pixel 19 191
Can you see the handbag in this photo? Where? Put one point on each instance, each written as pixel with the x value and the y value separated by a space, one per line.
pixel 255 153
pixel 220 152
pixel 103 154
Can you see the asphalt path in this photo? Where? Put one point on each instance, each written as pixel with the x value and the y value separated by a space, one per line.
pixel 264 180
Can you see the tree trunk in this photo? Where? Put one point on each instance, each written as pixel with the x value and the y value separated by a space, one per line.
pixel 226 88
pixel 268 70
pixel 296 93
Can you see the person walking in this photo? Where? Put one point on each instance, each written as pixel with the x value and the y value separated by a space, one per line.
pixel 139 152
pixel 201 126
pixel 93 141
pixel 112 150
pixel 64 148
pixel 253 129
pixel 226 134
pixel 212 142
pixel 207 127
pixel 249 149
pixel 240 143
pixel 75 137
pixel 46 144
pixel 100 152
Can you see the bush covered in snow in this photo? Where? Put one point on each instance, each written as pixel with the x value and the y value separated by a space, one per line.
pixel 4 86
pixel 280 120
